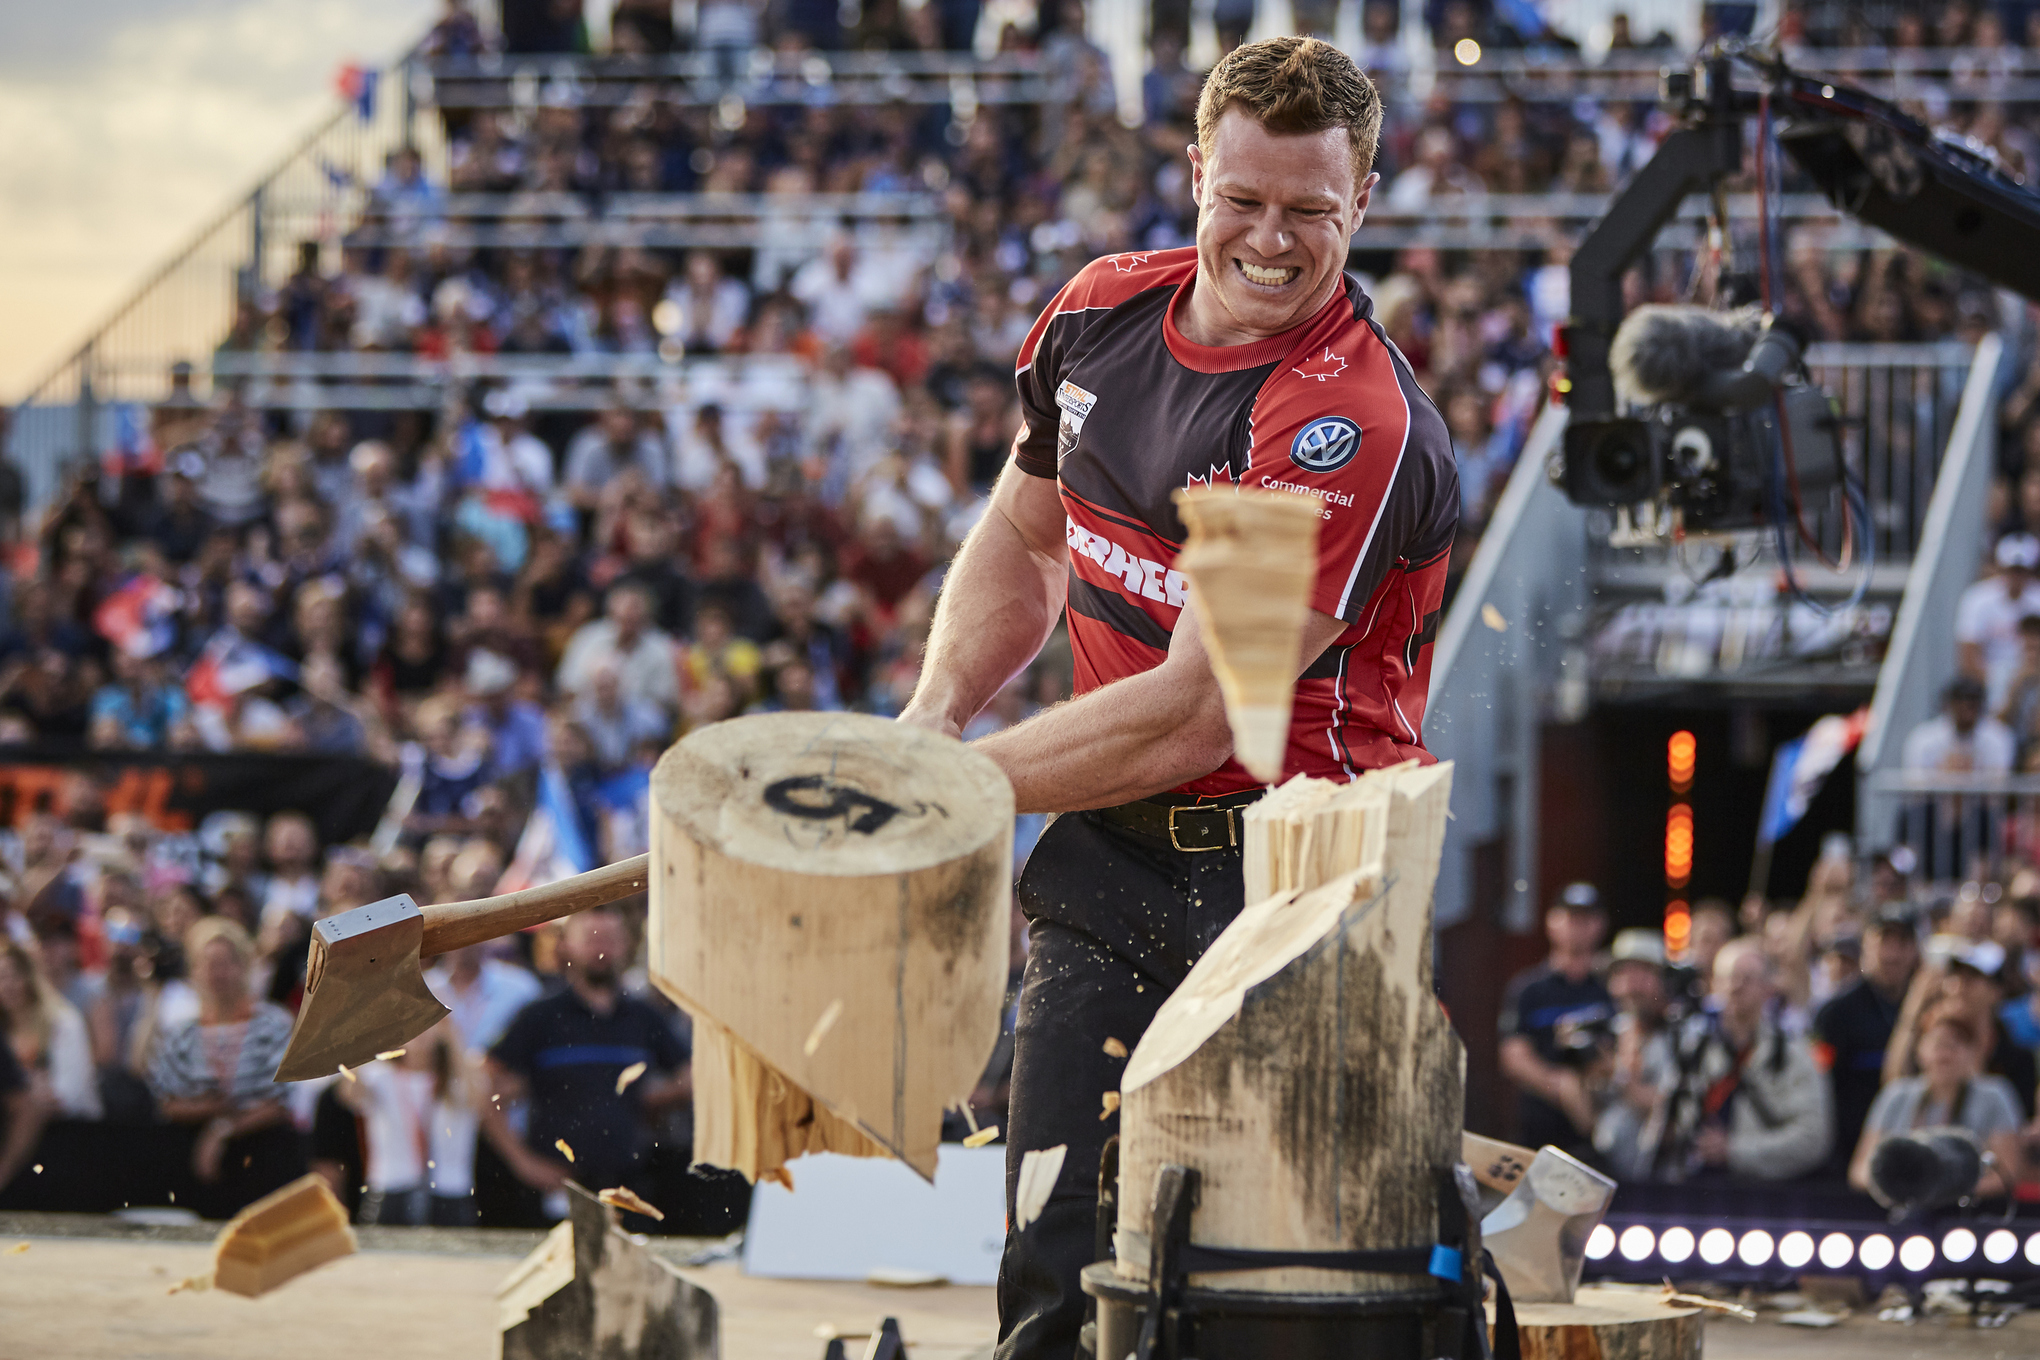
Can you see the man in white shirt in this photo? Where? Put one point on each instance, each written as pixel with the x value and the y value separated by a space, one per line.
pixel 644 657
pixel 1960 740
pixel 1987 619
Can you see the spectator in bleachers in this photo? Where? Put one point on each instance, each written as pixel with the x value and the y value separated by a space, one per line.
pixel 1951 1089
pixel 1987 618
pixel 565 1052
pixel 215 1073
pixel 1552 1017
pixel 624 641
pixel 1960 977
pixel 48 1036
pixel 421 1112
pixel 1742 1098
pixel 1852 1032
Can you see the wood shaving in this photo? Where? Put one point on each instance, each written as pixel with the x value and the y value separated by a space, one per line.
pixel 1039 1171
pixel 1114 1049
pixel 1111 1104
pixel 17 1249
pixel 621 1198
pixel 191 1284
pixel 347 1072
pixel 969 1116
pixel 1735 1310
pixel 565 1151
pixel 823 1024
pixel 1492 617
pixel 391 1054
pixel 982 1136
pixel 629 1075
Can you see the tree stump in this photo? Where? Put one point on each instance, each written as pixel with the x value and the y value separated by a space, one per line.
pixel 1608 1324
pixel 1304 1068
pixel 829 902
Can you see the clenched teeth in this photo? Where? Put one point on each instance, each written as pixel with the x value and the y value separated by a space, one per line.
pixel 1263 275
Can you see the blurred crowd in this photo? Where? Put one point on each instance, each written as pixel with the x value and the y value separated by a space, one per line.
pixel 1793 1038
pixel 522 597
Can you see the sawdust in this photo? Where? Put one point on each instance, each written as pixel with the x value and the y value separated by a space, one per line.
pixel 565 1151
pixel 629 1075
pixel 1114 1049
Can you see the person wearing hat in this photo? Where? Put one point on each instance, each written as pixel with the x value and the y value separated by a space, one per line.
pixel 1637 983
pixel 1852 1032
pixel 1961 975
pixel 1561 996
pixel 515 727
pixel 1987 616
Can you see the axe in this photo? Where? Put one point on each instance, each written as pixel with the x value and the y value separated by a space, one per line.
pixel 364 993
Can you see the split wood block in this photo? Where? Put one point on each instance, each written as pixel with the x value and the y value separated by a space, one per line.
pixel 1251 560
pixel 590 1290
pixel 281 1236
pixel 1609 1324
pixel 829 901
pixel 1304 1068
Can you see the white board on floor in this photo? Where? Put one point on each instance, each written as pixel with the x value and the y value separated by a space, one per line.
pixel 849 1216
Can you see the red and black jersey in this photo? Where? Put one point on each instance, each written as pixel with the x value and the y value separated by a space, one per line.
pixel 1122 409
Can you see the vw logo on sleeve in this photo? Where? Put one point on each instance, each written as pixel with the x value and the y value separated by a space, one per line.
pixel 1325 445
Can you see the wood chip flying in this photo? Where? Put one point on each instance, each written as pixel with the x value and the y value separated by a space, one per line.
pixel 17 1249
pixel 1492 617
pixel 347 1072
pixel 565 1151
pixel 982 1136
pixel 1111 1104
pixel 1114 1049
pixel 823 1024
pixel 629 1075
pixel 391 1054
pixel 191 1284
pixel 623 1198
pixel 1678 1300
pixel 1039 1171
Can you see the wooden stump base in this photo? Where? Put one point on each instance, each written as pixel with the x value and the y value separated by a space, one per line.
pixel 1608 1324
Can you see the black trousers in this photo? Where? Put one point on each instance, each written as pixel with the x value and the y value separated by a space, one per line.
pixel 1119 918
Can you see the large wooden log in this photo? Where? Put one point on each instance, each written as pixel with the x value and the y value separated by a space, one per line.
pixel 1608 1324
pixel 1251 559
pixel 830 901
pixel 1304 1068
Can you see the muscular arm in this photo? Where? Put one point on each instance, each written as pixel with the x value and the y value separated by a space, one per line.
pixel 1130 739
pixel 999 603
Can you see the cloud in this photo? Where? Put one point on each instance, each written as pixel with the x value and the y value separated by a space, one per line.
pixel 130 124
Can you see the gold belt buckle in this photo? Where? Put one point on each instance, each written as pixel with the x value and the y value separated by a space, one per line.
pixel 1232 836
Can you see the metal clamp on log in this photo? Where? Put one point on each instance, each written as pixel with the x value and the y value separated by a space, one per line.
pixel 1172 1320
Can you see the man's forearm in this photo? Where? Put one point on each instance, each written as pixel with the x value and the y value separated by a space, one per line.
pixel 1131 739
pixel 999 604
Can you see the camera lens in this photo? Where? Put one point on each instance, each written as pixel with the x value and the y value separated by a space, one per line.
pixel 1616 461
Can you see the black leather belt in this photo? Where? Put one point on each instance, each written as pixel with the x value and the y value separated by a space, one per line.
pixel 1190 827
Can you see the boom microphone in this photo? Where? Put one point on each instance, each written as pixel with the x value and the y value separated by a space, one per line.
pixel 1723 361
pixel 1927 1170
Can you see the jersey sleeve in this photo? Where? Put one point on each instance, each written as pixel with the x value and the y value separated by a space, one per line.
pixel 1367 444
pixel 1034 452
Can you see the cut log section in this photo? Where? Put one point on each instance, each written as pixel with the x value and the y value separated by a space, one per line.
pixel 1608 1324
pixel 1251 559
pixel 810 865
pixel 281 1236
pixel 1304 1068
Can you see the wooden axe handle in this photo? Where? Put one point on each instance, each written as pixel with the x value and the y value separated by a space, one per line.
pixel 1495 1164
pixel 455 925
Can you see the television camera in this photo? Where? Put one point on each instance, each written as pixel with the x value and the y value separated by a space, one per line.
pixel 1696 420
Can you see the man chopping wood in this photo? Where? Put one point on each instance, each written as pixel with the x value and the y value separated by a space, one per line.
pixel 1251 359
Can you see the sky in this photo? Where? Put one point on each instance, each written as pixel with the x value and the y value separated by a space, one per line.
pixel 127 125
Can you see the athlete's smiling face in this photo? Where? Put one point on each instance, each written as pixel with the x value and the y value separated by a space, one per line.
pixel 1276 212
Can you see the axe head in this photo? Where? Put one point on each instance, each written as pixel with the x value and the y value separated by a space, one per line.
pixel 1539 1233
pixel 364 994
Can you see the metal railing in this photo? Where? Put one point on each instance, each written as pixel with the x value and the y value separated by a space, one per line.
pixel 400 382
pixel 758 76
pixel 1957 825
pixel 1921 657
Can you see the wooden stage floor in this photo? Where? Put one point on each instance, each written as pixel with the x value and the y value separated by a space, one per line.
pixel 420 1294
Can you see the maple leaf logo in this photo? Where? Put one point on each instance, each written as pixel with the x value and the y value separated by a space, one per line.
pixel 1327 365
pixel 1126 264
pixel 1220 474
